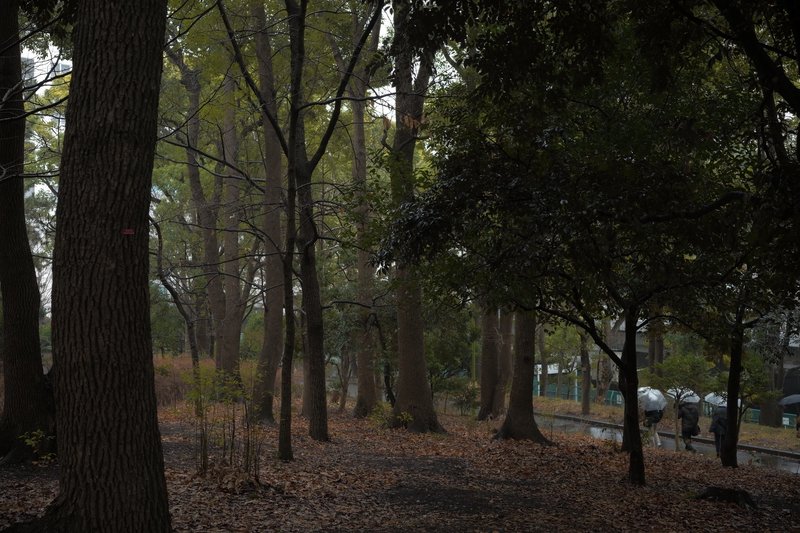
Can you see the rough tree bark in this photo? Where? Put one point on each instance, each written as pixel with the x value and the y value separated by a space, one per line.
pixel 28 403
pixel 300 168
pixel 629 384
pixel 727 452
pixel 489 354
pixel 235 292
pixel 206 209
pixel 504 361
pixel 110 456
pixel 520 422
pixel 272 346
pixel 413 392
pixel 367 396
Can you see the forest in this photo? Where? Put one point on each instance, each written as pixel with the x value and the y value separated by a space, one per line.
pixel 266 243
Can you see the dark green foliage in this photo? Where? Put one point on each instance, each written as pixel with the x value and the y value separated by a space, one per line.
pixel 54 17
pixel 167 326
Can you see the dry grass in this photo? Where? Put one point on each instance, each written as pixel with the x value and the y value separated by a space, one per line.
pixel 174 376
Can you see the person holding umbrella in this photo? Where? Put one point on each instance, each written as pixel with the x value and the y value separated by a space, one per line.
pixel 653 403
pixel 719 424
pixel 689 416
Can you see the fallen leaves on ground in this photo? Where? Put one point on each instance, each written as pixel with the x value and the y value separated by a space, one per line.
pixel 373 479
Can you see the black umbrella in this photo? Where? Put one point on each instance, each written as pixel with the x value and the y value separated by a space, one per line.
pixel 789 400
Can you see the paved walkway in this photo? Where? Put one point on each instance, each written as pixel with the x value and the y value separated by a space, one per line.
pixel 780 459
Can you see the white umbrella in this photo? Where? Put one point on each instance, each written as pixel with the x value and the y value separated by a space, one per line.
pixel 686 395
pixel 715 399
pixel 651 399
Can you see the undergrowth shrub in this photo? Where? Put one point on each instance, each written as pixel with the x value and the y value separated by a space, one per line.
pixel 225 434
pixel 466 396
pixel 171 387
pixel 381 415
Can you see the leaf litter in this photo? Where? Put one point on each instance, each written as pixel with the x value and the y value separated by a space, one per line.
pixel 374 479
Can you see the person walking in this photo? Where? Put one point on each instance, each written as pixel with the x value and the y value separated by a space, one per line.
pixel 651 420
pixel 689 416
pixel 719 424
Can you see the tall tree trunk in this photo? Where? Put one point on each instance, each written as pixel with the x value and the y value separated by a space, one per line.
pixel 112 470
pixel 228 353
pixel 413 389
pixel 489 346
pixel 504 361
pixel 206 208
pixel 367 397
pixel 285 426
pixel 28 403
pixel 312 305
pixel 520 422
pixel 730 441
pixel 300 170
pixel 271 347
pixel 586 376
pixel 629 383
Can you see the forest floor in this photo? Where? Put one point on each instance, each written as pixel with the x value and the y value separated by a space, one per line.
pixel 368 478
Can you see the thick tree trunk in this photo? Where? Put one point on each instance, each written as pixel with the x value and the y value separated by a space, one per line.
pixel 28 402
pixel 300 170
pixel 413 406
pixel 489 345
pixel 520 422
pixel 312 305
pixel 367 397
pixel 110 456
pixel 272 345
pixel 235 303
pixel 413 389
pixel 504 361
